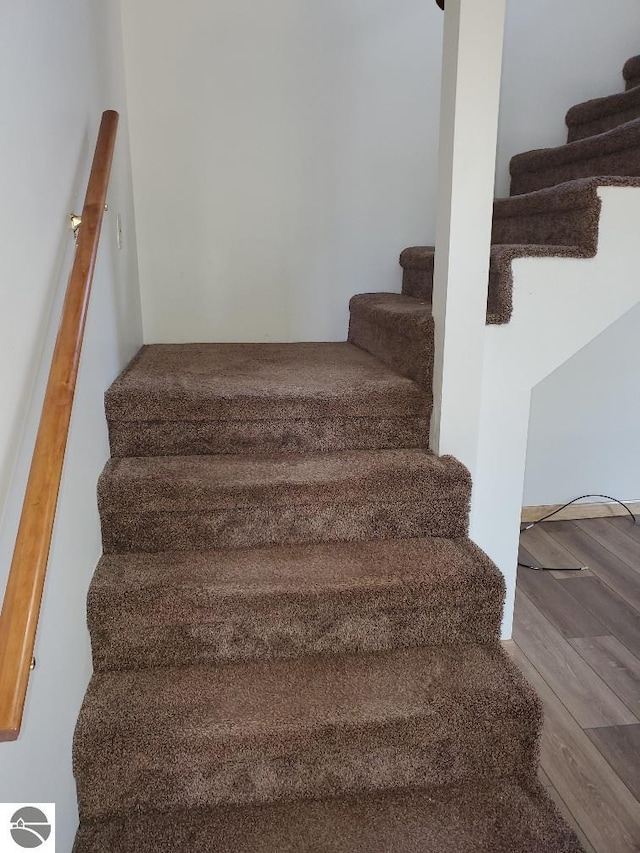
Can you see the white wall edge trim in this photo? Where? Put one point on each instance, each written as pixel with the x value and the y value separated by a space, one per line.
pixel 565 303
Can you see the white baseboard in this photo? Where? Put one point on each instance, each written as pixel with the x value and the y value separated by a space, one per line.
pixel 578 511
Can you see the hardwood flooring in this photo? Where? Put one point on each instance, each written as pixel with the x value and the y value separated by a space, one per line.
pixel 577 640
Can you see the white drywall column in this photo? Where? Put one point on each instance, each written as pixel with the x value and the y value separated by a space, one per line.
pixel 471 69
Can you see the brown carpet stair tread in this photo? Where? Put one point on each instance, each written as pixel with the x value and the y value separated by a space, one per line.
pixel 301 727
pixel 186 483
pixel 566 214
pixel 257 382
pixel 418 258
pixel 397 329
pixel 293 569
pixel 186 503
pixel 618 139
pixel 523 219
pixel 615 152
pixel 200 399
pixel 418 281
pixel 572 206
pixel 631 72
pixel 148 610
pixel 394 309
pixel 296 435
pixel 602 114
pixel 499 816
pixel 560 221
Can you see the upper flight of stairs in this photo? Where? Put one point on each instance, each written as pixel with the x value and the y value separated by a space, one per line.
pixel 554 208
pixel 296 646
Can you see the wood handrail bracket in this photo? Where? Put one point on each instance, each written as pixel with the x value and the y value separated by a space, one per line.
pixel 23 594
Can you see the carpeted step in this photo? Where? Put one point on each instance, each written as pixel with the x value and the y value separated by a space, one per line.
pixel 616 152
pixel 499 816
pixel 417 264
pixel 560 222
pixel 500 292
pixel 149 610
pixel 556 221
pixel 185 399
pixel 305 727
pixel 396 329
pixel 171 503
pixel 631 72
pixel 603 114
pixel 562 215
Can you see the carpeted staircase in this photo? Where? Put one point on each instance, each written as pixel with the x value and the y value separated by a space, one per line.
pixel 296 646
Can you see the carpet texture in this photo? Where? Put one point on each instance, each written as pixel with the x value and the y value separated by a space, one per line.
pixel 631 72
pixel 248 398
pixel 173 609
pixel 295 645
pixel 168 503
pixel 499 816
pixel 615 152
pixel 286 644
pixel 603 114
pixel 554 208
pixel 397 330
pixel 308 727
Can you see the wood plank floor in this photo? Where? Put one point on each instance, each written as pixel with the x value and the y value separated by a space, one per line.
pixel 577 640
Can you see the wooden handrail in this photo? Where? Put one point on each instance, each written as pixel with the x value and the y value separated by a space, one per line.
pixel 23 594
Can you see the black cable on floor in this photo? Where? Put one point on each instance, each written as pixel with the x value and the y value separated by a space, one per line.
pixel 555 512
pixel 575 500
pixel 553 569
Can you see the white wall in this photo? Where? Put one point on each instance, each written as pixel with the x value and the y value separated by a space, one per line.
pixel 284 154
pixel 60 67
pixel 583 432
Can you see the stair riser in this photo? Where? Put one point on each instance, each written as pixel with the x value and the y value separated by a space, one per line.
pixel 340 760
pixel 624 163
pixel 185 438
pixel 259 525
pixel 418 283
pixel 412 356
pixel 214 630
pixel 631 72
pixel 572 227
pixel 411 821
pixel 602 115
pixel 602 124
